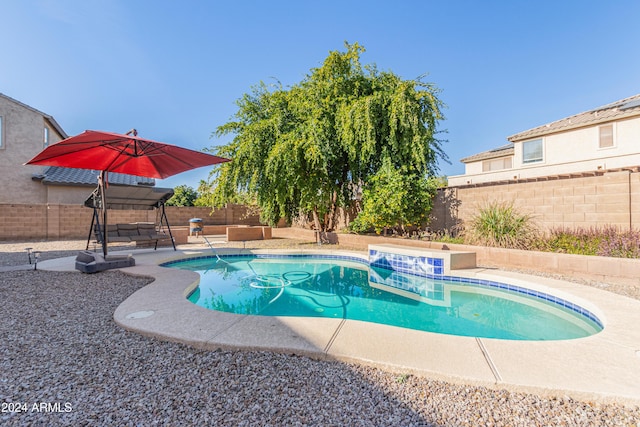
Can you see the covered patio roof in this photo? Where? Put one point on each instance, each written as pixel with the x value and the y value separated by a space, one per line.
pixel 123 197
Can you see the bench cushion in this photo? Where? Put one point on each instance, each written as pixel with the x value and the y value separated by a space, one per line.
pixel 141 237
pixel 133 232
pixel 127 230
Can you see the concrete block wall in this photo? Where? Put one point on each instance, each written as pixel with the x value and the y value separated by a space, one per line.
pixel 572 202
pixel 182 215
pixel 586 201
pixel 68 221
pixel 232 214
pixel 59 221
pixel 23 221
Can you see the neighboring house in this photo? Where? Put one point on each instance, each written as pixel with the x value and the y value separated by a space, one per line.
pixel 24 132
pixel 73 186
pixel 600 140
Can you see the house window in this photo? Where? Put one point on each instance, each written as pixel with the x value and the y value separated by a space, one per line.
pixel 532 151
pixel 46 136
pixel 606 136
pixel 497 164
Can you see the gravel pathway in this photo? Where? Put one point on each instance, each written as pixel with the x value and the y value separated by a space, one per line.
pixel 63 357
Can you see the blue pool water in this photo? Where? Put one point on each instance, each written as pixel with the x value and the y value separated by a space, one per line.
pixel 316 287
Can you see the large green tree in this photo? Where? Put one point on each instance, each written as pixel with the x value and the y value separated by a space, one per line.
pixel 183 195
pixel 395 198
pixel 309 148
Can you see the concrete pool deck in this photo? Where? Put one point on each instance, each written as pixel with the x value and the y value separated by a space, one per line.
pixel 604 367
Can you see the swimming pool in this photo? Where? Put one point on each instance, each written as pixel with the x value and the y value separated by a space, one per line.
pixel 349 288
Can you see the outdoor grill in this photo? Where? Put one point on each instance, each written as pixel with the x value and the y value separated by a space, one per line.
pixel 195 226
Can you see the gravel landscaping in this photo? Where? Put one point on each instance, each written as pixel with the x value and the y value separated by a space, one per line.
pixel 63 361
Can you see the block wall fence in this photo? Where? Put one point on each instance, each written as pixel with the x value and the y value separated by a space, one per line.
pixel 53 221
pixel 570 202
pixel 611 198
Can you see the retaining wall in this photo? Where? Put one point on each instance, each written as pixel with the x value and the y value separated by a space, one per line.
pixel 605 269
pixel 239 234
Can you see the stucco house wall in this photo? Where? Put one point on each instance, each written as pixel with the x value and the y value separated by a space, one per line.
pixel 67 195
pixel 23 130
pixel 577 151
pixel 570 146
pixel 476 169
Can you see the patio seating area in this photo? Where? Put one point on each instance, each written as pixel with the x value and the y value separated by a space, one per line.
pixel 134 232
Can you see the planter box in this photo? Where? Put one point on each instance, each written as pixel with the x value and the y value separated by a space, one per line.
pixel 180 236
pixel 240 234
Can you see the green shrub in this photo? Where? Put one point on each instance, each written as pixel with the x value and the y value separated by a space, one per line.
pixel 450 239
pixel 394 198
pixel 454 235
pixel 500 224
pixel 605 241
pixel 563 240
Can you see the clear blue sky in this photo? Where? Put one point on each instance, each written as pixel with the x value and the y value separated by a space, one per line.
pixel 174 69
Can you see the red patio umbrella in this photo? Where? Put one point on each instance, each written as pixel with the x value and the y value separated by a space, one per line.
pixel 128 154
pixel 122 153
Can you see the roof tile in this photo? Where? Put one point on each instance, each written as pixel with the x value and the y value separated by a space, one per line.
pixel 505 150
pixel 71 176
pixel 628 107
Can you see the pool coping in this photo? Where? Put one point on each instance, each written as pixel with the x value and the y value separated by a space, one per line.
pixel 603 367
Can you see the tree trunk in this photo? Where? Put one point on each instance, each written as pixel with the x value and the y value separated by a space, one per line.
pixel 332 212
pixel 316 219
pixel 318 226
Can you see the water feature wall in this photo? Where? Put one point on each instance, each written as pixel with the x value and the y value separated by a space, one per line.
pixel 419 262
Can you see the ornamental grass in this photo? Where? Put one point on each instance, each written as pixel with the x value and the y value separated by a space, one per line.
pixel 500 224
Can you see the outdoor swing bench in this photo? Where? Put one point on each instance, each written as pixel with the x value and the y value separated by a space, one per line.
pixel 135 198
pixel 138 232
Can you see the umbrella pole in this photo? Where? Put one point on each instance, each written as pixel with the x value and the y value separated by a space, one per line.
pixel 101 184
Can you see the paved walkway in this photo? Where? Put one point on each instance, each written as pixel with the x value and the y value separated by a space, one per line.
pixel 17 267
pixel 603 367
